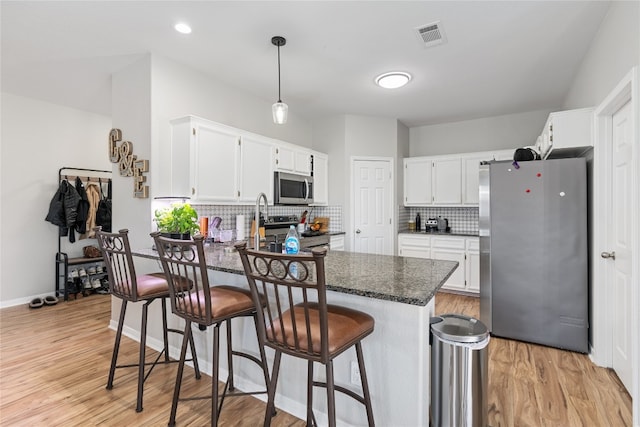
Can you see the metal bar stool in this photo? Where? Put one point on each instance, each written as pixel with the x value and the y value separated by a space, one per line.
pixel 205 305
pixel 129 287
pixel 310 329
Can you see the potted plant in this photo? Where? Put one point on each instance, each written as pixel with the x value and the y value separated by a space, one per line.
pixel 179 221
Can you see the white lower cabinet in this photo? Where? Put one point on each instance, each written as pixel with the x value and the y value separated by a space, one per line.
pixel 464 250
pixel 414 245
pixel 336 243
pixel 473 264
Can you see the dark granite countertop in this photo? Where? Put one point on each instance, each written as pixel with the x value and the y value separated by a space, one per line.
pixel 440 233
pixel 406 280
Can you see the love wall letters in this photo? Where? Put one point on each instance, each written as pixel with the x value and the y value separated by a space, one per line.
pixel 128 163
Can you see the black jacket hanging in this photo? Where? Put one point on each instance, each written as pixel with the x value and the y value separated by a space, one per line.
pixel 83 208
pixel 103 214
pixel 63 209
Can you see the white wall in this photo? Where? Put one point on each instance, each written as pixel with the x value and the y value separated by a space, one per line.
pixel 366 136
pixel 490 133
pixel 329 138
pixel 38 138
pixel 131 95
pixel 613 52
pixel 179 91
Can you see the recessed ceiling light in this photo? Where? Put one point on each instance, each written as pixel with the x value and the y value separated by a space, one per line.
pixel 182 28
pixel 393 79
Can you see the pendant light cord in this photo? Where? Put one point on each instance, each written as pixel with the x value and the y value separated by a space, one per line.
pixel 279 98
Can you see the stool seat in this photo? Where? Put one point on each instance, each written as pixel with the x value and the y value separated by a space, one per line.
pixel 225 300
pixel 345 327
pixel 152 285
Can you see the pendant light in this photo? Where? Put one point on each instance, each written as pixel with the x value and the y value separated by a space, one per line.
pixel 279 109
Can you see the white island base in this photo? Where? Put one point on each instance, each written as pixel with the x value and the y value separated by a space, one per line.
pixel 396 356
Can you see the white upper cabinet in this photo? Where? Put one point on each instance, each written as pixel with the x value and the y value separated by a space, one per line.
pixel 205 160
pixel 470 171
pixel 320 179
pixel 256 173
pixel 289 158
pixel 214 163
pixel 567 130
pixel 417 181
pixel 447 181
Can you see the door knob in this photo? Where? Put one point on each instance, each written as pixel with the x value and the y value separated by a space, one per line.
pixel 358 231
pixel 611 255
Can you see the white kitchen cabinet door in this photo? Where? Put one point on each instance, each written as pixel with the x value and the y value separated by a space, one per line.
pixel 567 129
pixel 414 245
pixel 303 162
pixel 473 272
pixel 457 279
pixel 417 181
pixel 470 171
pixel 214 164
pixel 285 159
pixel 336 243
pixel 473 265
pixel 293 160
pixel 447 181
pixel 320 179
pixel 256 173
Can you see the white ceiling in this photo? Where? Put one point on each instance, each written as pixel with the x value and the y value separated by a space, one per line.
pixel 499 58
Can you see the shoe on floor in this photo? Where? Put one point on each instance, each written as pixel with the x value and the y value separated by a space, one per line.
pixel 50 300
pixel 36 303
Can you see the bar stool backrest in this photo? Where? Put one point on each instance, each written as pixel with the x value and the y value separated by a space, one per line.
pixel 116 253
pixel 184 262
pixel 294 318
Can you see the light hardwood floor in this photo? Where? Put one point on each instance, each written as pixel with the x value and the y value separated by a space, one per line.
pixel 54 363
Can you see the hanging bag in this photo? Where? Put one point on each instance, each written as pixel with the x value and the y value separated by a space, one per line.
pixel 103 213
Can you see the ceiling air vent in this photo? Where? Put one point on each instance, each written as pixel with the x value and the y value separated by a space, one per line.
pixel 431 34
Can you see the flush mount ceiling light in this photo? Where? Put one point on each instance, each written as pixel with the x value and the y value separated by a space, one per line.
pixel 393 79
pixel 182 28
pixel 279 109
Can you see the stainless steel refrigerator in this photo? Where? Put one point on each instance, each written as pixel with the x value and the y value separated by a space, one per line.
pixel 533 252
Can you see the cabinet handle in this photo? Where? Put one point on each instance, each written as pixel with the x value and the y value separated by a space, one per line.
pixel 193 191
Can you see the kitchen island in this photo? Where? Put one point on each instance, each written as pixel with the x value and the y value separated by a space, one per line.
pixel 398 292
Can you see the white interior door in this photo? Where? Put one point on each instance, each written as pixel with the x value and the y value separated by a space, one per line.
pixel 619 244
pixel 372 206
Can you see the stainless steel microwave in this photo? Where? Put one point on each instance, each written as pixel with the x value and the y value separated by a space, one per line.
pixel 292 189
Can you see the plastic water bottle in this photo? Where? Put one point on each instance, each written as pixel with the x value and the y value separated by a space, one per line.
pixel 292 242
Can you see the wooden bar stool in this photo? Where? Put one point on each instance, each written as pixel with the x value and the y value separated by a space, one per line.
pixel 206 305
pixel 310 329
pixel 129 287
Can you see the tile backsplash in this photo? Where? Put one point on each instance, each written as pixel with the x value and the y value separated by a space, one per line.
pixel 228 214
pixel 461 220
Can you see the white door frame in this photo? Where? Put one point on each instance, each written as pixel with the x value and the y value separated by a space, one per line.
pixel 601 353
pixel 353 159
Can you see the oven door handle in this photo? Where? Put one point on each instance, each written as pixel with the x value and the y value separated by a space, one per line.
pixel 306 183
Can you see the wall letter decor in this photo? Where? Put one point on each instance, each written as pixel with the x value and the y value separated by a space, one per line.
pixel 128 164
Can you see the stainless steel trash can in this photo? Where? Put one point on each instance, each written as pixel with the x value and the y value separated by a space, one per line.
pixel 459 371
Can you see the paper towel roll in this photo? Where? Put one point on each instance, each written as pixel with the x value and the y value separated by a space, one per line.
pixel 240 227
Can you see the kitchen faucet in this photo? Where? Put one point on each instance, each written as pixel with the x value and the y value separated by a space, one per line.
pixel 256 236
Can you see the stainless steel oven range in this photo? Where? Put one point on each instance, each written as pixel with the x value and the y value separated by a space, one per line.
pixel 276 228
